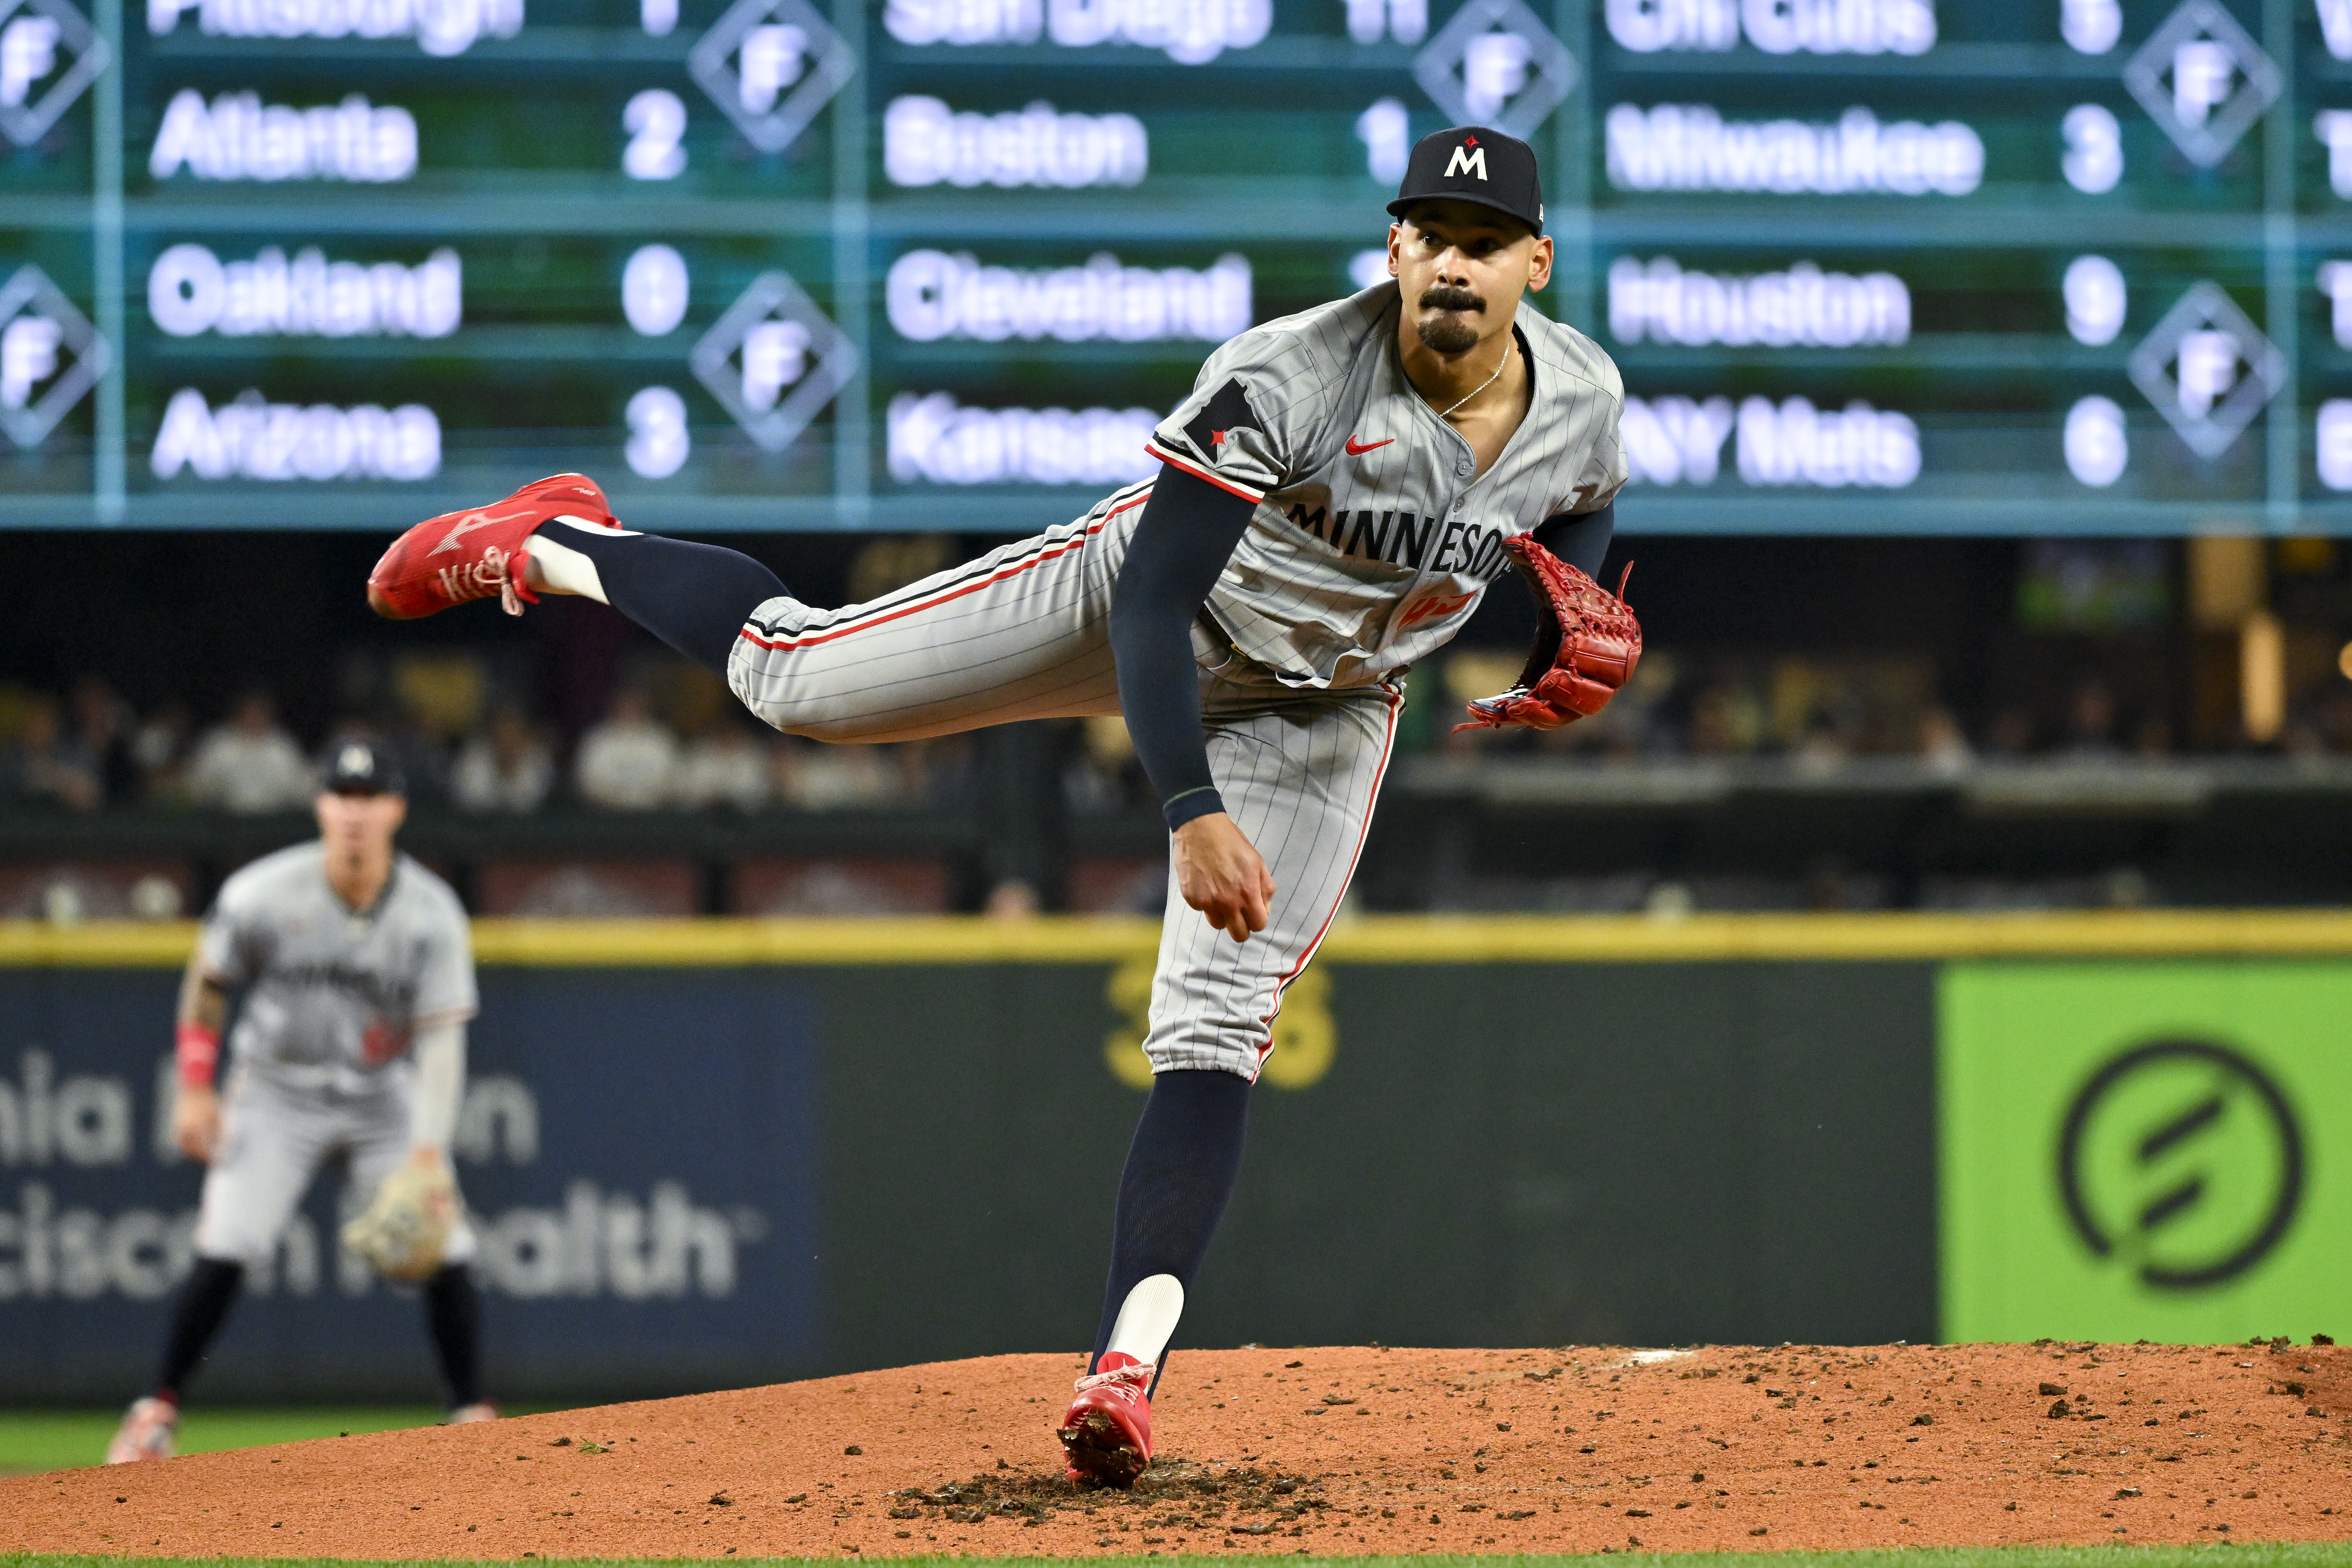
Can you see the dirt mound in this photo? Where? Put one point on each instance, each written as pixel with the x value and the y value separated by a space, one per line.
pixel 1333 1451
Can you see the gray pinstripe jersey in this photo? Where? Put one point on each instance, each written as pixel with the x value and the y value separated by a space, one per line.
pixel 1372 543
pixel 330 995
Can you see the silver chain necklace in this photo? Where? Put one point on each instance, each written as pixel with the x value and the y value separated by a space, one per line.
pixel 1484 384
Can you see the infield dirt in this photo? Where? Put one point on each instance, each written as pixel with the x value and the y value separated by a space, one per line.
pixel 1336 1451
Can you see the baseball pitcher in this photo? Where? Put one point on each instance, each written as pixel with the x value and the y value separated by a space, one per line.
pixel 353 975
pixel 1333 500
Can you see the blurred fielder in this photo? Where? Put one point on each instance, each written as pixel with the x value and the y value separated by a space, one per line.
pixel 353 973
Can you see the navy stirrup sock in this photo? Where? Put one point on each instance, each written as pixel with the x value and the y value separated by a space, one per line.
pixel 695 597
pixel 453 1312
pixel 1181 1171
pixel 204 1305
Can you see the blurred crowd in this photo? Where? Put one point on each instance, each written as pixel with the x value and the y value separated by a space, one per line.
pixel 1820 714
pixel 671 738
pixel 661 746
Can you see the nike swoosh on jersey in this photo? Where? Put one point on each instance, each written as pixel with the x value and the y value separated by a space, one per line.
pixel 1356 451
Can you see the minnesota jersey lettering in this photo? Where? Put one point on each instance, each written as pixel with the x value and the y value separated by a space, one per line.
pixel 1405 540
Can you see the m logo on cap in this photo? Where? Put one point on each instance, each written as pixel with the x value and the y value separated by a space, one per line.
pixel 1465 159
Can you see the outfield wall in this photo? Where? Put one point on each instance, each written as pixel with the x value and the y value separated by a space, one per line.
pixel 709 1153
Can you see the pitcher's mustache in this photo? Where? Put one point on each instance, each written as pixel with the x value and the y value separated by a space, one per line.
pixel 1441 297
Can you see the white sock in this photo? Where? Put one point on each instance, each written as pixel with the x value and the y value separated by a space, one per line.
pixel 557 568
pixel 1146 1319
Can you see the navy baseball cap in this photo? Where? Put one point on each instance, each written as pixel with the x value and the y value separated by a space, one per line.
pixel 1475 164
pixel 356 767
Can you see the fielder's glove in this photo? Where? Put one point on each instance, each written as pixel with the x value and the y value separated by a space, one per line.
pixel 1587 644
pixel 406 1224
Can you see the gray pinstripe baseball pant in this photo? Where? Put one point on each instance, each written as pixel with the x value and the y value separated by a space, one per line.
pixel 1025 633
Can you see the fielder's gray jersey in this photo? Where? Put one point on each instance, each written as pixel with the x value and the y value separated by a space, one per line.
pixel 1375 536
pixel 328 993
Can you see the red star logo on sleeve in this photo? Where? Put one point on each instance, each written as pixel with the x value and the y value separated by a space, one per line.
pixel 1218 425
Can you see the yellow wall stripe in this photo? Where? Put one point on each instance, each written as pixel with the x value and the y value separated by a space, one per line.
pixel 1379 939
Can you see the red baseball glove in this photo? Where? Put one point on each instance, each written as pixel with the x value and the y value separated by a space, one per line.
pixel 1585 648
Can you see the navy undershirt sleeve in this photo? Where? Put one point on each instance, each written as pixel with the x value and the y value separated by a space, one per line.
pixel 1581 539
pixel 1185 536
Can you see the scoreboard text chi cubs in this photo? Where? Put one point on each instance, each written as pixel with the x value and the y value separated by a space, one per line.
pixel 2022 265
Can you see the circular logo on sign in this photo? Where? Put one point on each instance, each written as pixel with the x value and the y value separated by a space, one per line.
pixel 2182 1159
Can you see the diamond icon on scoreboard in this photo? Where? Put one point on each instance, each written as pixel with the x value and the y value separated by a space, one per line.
pixel 48 56
pixel 2203 79
pixel 773 65
pixel 2208 369
pixel 50 356
pixel 1496 64
pixel 774 359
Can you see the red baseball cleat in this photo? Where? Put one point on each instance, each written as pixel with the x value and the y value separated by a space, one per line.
pixel 462 555
pixel 1107 1435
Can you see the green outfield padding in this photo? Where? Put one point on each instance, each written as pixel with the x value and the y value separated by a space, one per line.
pixel 2256 1554
pixel 34 1440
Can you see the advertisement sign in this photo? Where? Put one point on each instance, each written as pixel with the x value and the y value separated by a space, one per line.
pixel 2145 1149
pixel 640 1156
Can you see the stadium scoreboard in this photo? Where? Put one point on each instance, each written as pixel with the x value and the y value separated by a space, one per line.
pixel 2019 266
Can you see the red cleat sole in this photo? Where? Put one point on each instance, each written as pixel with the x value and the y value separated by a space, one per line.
pixel 1101 1453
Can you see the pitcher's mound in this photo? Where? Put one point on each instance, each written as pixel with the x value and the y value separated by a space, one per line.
pixel 1344 1451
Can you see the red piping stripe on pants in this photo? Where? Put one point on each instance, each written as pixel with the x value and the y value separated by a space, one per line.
pixel 1038 560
